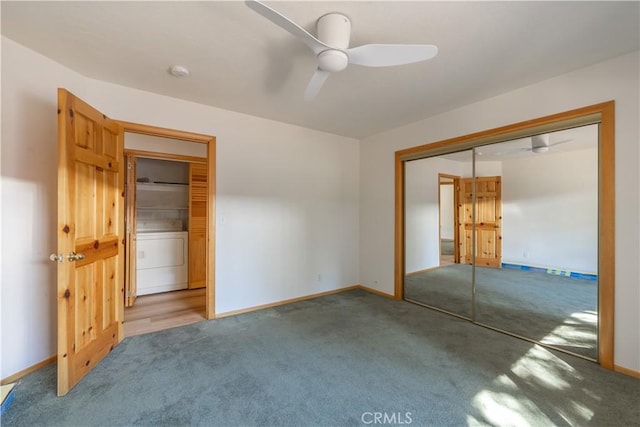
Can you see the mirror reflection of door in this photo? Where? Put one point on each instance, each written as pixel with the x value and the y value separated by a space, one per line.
pixel 486 225
pixel 526 249
pixel 434 275
pixel 546 289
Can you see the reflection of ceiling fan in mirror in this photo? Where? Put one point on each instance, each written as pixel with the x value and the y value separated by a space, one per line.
pixel 537 144
pixel 542 143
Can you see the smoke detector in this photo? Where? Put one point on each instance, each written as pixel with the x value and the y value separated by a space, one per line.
pixel 179 71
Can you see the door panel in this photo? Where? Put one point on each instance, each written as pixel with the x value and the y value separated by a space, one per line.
pixel 198 190
pixel 488 221
pixel 91 224
pixel 457 236
pixel 465 219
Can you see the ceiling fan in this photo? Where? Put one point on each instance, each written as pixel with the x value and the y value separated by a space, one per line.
pixel 539 144
pixel 542 143
pixel 332 46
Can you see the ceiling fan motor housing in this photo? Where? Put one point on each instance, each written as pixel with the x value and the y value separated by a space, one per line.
pixel 540 143
pixel 332 60
pixel 334 29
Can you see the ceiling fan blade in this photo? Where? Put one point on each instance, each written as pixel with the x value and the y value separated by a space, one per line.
pixel 285 23
pixel 384 55
pixel 316 82
pixel 510 152
pixel 564 141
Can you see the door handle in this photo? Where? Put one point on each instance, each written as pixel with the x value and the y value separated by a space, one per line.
pixel 75 257
pixel 57 258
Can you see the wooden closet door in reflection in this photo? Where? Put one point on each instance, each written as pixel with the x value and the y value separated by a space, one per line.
pixel 488 218
pixel 198 188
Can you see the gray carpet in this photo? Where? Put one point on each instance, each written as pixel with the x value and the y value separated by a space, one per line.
pixel 555 310
pixel 332 361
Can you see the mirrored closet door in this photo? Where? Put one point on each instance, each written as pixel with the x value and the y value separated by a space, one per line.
pixel 506 235
pixel 434 234
pixel 545 286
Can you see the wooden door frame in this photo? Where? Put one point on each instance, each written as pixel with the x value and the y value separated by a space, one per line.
pixel 453 179
pixel 131 244
pixel 210 142
pixel 602 114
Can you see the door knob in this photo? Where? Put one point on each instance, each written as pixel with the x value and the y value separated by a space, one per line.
pixel 75 257
pixel 56 258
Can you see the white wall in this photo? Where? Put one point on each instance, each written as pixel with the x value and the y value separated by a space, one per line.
pixel 446 212
pixel 286 204
pixel 286 198
pixel 137 141
pixel 615 79
pixel 421 210
pixel 550 210
pixel 485 169
pixel 29 204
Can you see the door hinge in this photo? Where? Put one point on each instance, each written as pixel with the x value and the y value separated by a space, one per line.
pixel 129 165
pixel 128 294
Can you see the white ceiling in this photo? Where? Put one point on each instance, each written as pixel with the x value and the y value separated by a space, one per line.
pixel 240 61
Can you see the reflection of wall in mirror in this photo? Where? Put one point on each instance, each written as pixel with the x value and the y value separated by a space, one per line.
pixel 446 212
pixel 422 249
pixel 550 211
pixel 483 168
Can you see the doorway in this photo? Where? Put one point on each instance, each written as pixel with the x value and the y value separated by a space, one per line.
pixel 169 228
pixel 92 237
pixel 447 195
pixel 165 283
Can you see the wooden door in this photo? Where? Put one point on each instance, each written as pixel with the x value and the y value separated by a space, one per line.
pixel 131 235
pixel 457 236
pixel 90 238
pixel 488 221
pixel 465 219
pixel 198 190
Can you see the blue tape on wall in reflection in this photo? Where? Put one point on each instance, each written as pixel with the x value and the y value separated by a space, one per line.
pixel 554 271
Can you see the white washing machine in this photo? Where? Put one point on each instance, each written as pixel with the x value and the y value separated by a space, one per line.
pixel 162 258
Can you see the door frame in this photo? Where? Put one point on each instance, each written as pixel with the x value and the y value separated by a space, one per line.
pixel 602 114
pixel 210 142
pixel 456 250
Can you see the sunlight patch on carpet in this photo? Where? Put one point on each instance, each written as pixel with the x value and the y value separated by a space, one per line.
pixel 507 409
pixel 506 401
pixel 579 331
